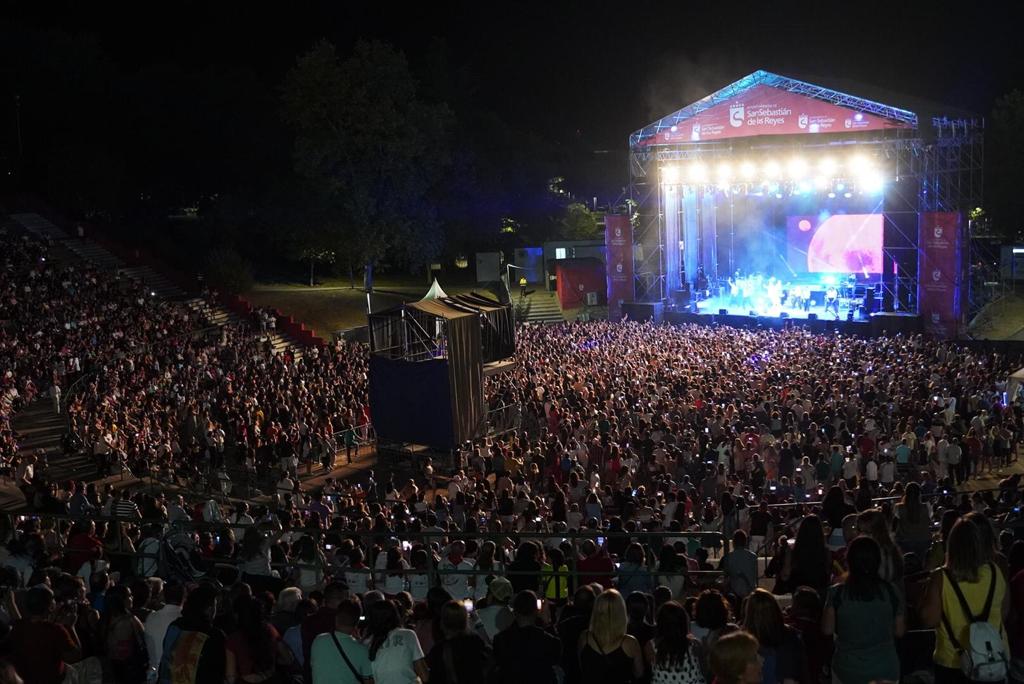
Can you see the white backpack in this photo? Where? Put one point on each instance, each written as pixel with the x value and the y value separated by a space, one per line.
pixel 983 658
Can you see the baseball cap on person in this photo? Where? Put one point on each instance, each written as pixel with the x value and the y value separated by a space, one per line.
pixel 500 588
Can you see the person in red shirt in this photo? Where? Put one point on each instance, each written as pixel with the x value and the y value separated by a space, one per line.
pixel 83 546
pixel 42 644
pixel 595 560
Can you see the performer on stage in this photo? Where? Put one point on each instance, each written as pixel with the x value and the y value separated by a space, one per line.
pixel 832 300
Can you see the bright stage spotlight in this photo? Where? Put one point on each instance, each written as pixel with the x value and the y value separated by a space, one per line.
pixel 797 168
pixel 859 164
pixel 697 173
pixel 748 171
pixel 847 195
pixel 772 170
pixel 670 175
pixel 872 182
pixel 827 167
pixel 821 182
pixel 723 174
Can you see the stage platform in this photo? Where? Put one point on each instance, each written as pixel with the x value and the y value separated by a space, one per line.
pixel 877 324
pixel 713 305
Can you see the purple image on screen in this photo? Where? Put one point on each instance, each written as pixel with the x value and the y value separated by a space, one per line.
pixel 840 243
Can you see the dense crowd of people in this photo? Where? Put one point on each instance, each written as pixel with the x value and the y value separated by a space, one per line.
pixel 679 504
pixel 161 394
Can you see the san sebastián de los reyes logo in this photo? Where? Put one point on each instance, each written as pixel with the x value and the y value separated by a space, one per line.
pixel 801 121
pixel 736 115
pixel 938 232
pixel 936 275
pixel 618 267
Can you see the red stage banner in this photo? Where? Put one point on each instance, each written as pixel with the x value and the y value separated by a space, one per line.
pixel 765 110
pixel 618 239
pixel 938 270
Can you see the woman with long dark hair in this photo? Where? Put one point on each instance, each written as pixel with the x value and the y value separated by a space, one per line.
pixel 395 653
pixel 914 531
pixel 865 613
pixel 671 655
pixel 255 649
pixel 783 653
pixel 121 637
pixel 835 508
pixel 872 523
pixel 809 562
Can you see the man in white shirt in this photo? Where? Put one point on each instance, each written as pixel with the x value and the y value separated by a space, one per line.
pixel 953 458
pixel 457 585
pixel 285 485
pixel 849 468
pixel 887 473
pixel 871 470
pixel 157 623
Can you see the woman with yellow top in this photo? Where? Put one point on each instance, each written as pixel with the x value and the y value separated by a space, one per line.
pixel 555 577
pixel 970 564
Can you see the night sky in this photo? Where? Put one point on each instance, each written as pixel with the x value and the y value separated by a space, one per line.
pixel 587 74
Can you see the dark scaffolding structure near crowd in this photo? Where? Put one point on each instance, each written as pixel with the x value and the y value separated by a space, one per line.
pixel 428 361
pixel 929 160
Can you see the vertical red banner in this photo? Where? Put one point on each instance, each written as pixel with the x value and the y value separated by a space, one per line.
pixel 938 271
pixel 618 240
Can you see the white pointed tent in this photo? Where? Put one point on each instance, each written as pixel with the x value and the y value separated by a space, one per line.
pixel 435 292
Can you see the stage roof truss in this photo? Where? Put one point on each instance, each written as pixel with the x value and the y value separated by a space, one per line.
pixel 785 83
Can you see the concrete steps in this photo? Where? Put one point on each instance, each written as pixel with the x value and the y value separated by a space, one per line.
pixel 154 280
pixel 96 255
pixel 212 313
pixel 39 426
pixel 39 226
pixel 541 307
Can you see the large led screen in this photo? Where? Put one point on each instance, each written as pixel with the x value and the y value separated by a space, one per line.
pixel 835 243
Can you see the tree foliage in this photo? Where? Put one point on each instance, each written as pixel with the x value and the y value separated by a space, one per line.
pixel 578 223
pixel 372 149
pixel 227 270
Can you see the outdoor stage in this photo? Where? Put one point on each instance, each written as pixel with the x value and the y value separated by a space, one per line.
pixel 772 186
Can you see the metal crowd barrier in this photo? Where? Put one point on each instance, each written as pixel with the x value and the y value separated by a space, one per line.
pixel 435 571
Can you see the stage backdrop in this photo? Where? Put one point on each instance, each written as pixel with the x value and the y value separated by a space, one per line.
pixel 618 236
pixel 938 268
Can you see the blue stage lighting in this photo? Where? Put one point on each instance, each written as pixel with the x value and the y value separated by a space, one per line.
pixel 831 195
pixel 847 195
pixel 828 280
pixel 840 187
